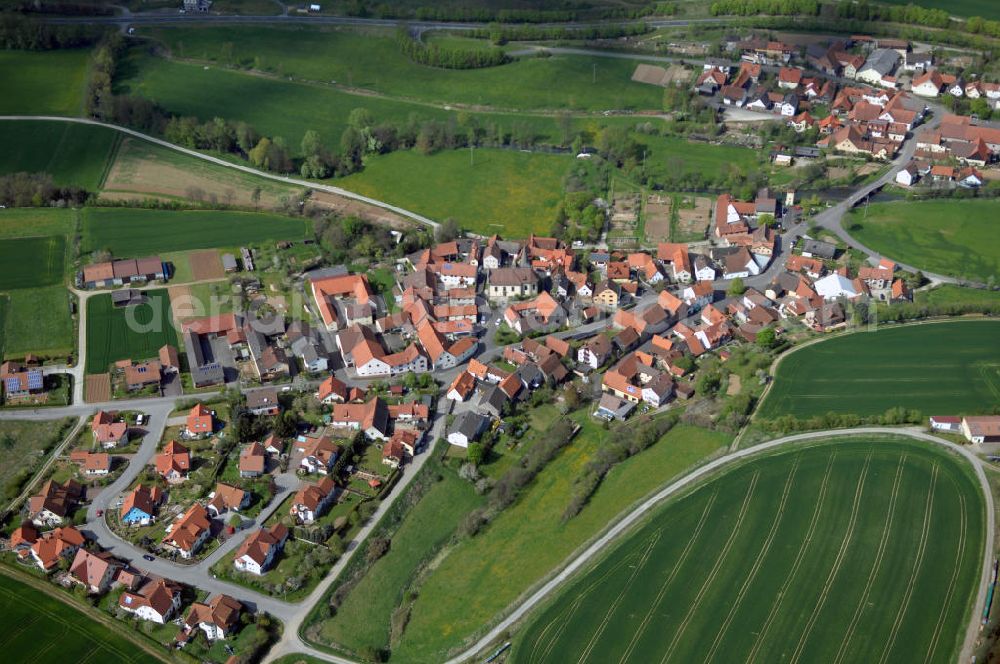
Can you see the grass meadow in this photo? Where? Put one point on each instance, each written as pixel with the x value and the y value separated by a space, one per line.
pixel 43 82
pixel 371 60
pixel 861 550
pixel 501 191
pixel 953 237
pixel 45 630
pixel 130 232
pixel 73 154
pixel 937 368
pixel 287 109
pixel 110 333
pixel 480 577
pixel 670 156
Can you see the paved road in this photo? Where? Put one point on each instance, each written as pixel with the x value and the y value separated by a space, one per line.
pixel 623 525
pixel 239 167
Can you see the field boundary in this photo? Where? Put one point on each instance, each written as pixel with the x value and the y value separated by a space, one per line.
pixel 637 516
pixel 239 167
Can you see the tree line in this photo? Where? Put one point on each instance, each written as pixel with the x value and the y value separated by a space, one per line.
pixel 771 7
pixel 433 55
pixel 484 14
pixel 37 190
pixel 28 34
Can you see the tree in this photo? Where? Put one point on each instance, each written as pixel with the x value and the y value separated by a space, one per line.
pixel 766 338
pixel 255 197
pixel 448 230
pixel 312 145
pixel 360 118
pixel 736 287
pixel 708 383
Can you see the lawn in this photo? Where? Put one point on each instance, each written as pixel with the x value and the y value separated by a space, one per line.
pixel 955 237
pixel 43 82
pixel 938 369
pixel 288 109
pixel 370 59
pixel 46 257
pixel 482 576
pixel 135 333
pixel 501 191
pixel 74 154
pixel 45 630
pixel 862 550
pixel 127 232
pixel 363 619
pixel 39 322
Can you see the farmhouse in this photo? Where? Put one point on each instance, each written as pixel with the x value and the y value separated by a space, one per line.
pixel 124 271
pixel 20 383
pixel 984 429
pixel 346 289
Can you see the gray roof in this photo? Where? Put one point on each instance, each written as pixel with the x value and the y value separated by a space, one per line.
pixel 229 262
pixel 819 248
pixel 492 400
pixel 882 60
pixel 470 424
pixel 262 398
pixel 324 272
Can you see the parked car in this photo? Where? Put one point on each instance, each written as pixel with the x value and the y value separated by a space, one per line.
pixel 149 557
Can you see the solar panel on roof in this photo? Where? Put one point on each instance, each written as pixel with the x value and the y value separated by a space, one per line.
pixel 35 380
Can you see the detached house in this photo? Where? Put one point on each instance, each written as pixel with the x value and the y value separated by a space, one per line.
pixel 332 390
pixel 227 497
pixel 189 532
pixel 200 422
pixel 372 418
pixel 140 505
pixel 108 432
pixel 312 500
pixel 507 282
pixel 257 553
pixel 157 601
pixel 253 460
pixel 94 571
pixel 174 462
pixel 217 619
pixel 263 401
pixel 56 545
pixel 594 352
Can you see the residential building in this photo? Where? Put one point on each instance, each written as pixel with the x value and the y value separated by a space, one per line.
pixel 372 418
pixel 312 500
pixel 258 551
pixel 108 432
pixel 94 571
pixel 218 618
pixel 200 422
pixel 226 498
pixel 140 505
pixel 174 462
pixel 56 545
pixel 189 532
pixel 332 390
pixel 157 601
pixel 466 428
pixel 263 401
pixel 54 503
pixel 253 460
pixel 511 282
pixel 318 454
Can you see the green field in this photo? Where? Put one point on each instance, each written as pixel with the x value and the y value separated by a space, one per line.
pixel 135 333
pixel 951 294
pixel 129 232
pixel 30 440
pixel 34 222
pixel 288 109
pixel 370 59
pixel 44 630
pixel 938 369
pixel 956 238
pixel 73 154
pixel 669 157
pixel 482 576
pixel 43 82
pixel 32 261
pixel 39 321
pixel 845 551
pixel 502 191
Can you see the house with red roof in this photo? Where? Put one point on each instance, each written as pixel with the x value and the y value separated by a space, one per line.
pixel 258 551
pixel 174 462
pixel 200 422
pixel 312 500
pixel 94 571
pixel 253 460
pixel 108 430
pixel 189 532
pixel 56 545
pixel 156 601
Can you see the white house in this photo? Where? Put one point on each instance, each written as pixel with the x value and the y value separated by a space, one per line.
pixel 257 553
pixel 157 602
pixel 467 429
pixel 907 176
pixel 834 286
pixel 595 352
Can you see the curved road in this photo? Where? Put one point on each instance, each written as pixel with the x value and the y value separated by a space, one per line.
pixel 239 167
pixel 622 527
